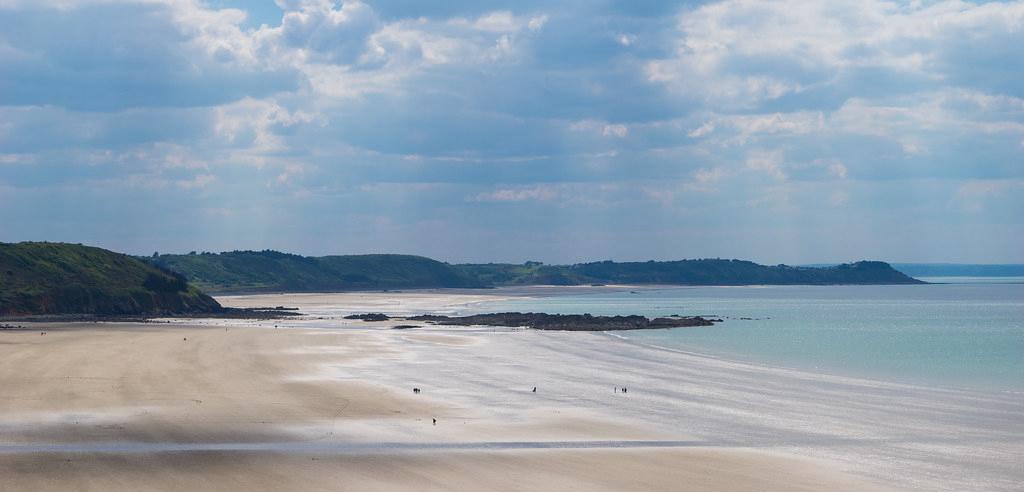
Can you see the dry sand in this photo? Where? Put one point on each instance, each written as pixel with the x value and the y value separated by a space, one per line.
pixel 95 406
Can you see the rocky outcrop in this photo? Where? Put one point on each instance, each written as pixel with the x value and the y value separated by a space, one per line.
pixel 369 317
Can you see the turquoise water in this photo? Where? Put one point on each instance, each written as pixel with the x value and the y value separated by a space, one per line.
pixel 951 335
pixel 973 280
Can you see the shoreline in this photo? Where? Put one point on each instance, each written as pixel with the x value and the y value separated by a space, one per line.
pixel 340 385
pixel 738 359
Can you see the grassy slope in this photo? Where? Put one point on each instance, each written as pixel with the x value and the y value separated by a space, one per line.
pixel 269 271
pixel 57 278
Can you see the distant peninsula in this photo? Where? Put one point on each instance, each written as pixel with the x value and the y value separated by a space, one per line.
pixel 272 271
pixel 39 278
pixel 960 270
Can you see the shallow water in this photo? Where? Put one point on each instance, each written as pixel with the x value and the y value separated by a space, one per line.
pixel 913 437
pixel 963 335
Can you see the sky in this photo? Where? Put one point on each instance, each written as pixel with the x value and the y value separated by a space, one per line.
pixel 557 130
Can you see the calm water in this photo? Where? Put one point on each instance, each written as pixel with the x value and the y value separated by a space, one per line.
pixel 953 335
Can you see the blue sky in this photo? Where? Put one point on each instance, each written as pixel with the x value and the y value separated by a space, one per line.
pixel 561 131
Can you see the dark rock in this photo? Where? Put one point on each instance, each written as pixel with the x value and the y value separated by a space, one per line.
pixel 566 322
pixel 369 317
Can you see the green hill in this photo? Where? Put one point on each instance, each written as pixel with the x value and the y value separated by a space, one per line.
pixel 739 272
pixel 685 272
pixel 58 278
pixel 529 273
pixel 271 271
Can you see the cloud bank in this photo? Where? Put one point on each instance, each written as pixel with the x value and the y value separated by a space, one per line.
pixel 780 131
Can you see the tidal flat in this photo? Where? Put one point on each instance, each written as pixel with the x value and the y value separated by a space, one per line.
pixel 320 402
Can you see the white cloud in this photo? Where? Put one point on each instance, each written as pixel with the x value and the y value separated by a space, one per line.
pixel 253 125
pixel 905 120
pixel 319 29
pixel 537 23
pixel 533 193
pixel 709 175
pixel 769 162
pixel 601 128
pixel 794 123
pixel 289 173
pixel 742 53
pixel 838 169
pixel 500 22
pixel 704 129
pixel 916 124
pixel 199 181
pixel 975 195
pixel 619 131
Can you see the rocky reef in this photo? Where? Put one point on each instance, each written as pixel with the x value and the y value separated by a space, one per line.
pixel 567 322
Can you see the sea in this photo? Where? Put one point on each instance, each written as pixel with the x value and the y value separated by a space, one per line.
pixel 955 332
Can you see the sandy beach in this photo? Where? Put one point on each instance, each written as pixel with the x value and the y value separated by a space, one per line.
pixel 322 403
